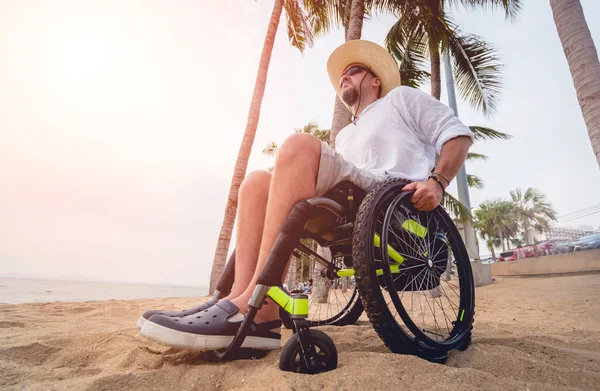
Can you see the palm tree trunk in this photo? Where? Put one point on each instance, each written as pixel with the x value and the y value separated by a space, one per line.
pixel 321 284
pixel 241 163
pixel 436 74
pixel 501 239
pixel 527 234
pixel 341 115
pixel 355 24
pixel 583 63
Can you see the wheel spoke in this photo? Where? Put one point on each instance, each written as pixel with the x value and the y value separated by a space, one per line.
pixel 432 286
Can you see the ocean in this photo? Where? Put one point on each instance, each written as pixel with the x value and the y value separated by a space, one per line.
pixel 27 290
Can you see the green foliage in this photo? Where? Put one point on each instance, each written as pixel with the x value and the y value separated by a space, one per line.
pixel 325 15
pixel 474 181
pixel 509 220
pixel 409 48
pixel 476 156
pixel 511 7
pixel 532 209
pixel 270 148
pixel 313 128
pixel 483 133
pixel 300 32
pixel 517 242
pixel 456 208
pixel 477 69
pixel 424 24
pixel 495 221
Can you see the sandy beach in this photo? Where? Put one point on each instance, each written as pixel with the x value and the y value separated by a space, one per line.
pixel 539 333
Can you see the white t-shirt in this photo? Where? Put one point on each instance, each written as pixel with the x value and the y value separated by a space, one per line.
pixel 400 135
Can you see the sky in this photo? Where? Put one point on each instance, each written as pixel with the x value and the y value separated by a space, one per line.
pixel 120 124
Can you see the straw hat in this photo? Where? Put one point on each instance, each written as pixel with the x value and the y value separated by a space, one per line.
pixel 370 55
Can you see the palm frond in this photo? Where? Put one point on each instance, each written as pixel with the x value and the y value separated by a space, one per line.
pixel 308 128
pixel 313 128
pixel 531 209
pixel 474 181
pixel 394 7
pixel 476 156
pixel 409 26
pixel 409 48
pixel 325 15
pixel 300 33
pixel 454 207
pixel 511 8
pixel 270 149
pixel 482 133
pixel 477 69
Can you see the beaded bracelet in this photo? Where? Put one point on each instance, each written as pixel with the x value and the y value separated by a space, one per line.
pixel 441 175
pixel 438 182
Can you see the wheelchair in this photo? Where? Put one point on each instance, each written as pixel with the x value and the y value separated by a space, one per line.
pixel 407 269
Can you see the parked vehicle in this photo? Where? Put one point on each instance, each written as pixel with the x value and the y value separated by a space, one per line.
pixel 564 247
pixel 530 251
pixel 519 253
pixel 510 255
pixel 587 243
pixel 549 246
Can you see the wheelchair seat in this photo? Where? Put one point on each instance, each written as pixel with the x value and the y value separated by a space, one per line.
pixel 331 221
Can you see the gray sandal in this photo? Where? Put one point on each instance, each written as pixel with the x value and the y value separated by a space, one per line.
pixel 175 314
pixel 211 329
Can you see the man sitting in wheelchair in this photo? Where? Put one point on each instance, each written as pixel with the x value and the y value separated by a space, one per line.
pixel 396 132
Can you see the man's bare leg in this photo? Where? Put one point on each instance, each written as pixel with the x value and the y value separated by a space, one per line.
pixel 252 206
pixel 294 179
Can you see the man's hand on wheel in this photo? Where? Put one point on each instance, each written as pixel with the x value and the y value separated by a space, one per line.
pixel 427 196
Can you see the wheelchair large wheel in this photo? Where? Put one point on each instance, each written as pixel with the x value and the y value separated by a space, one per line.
pixel 341 311
pixel 333 301
pixel 419 294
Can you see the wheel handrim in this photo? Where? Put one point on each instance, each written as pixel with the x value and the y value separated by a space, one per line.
pixel 440 309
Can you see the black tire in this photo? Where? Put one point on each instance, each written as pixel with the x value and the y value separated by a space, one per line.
pixel 386 309
pixel 350 315
pixel 345 312
pixel 291 360
pixel 343 305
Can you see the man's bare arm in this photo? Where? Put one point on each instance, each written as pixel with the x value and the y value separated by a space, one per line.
pixel 452 157
pixel 428 194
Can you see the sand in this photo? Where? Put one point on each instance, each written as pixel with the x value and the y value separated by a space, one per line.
pixel 530 333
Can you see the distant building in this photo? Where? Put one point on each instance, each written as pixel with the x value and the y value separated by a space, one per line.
pixel 568 233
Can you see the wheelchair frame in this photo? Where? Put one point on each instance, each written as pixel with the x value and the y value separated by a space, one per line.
pixel 327 229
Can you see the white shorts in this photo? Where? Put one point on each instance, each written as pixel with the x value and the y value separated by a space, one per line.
pixel 333 169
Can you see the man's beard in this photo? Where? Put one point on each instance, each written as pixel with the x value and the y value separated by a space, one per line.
pixel 350 95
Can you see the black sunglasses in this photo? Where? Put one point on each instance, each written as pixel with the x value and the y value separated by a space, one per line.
pixel 355 70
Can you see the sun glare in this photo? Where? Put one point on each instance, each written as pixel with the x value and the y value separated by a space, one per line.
pixel 79 61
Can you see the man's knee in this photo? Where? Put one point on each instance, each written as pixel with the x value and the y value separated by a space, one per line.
pixel 255 183
pixel 299 148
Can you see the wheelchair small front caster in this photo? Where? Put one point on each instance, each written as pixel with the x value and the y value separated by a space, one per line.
pixel 320 357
